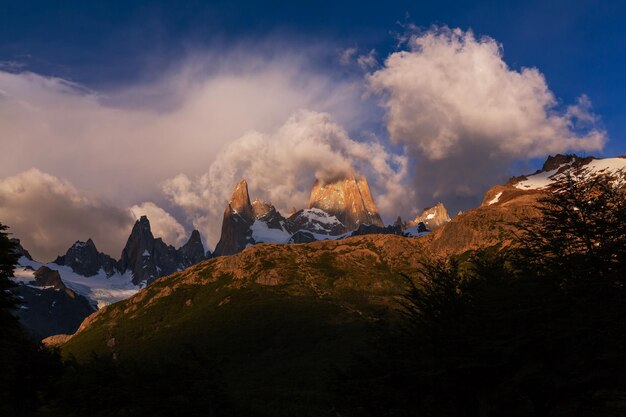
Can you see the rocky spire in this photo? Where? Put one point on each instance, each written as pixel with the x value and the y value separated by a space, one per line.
pixel 433 217
pixel 399 223
pixel 261 208
pixel 238 217
pixel 148 258
pixel 192 252
pixel 348 199
pixel 240 201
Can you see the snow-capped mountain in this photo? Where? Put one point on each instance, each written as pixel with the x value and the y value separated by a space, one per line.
pixel 101 279
pixel 349 200
pixel 558 167
pixel 336 210
pixel 149 258
pixel 84 259
pixel 100 289
pixel 433 217
pixel 48 305
pixel 246 223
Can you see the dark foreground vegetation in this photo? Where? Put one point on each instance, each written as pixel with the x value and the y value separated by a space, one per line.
pixel 536 328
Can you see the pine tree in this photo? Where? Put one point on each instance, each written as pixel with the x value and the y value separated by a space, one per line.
pixel 26 367
pixel 582 232
pixel 8 260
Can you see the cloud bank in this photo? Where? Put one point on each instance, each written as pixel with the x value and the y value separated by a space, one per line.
pixel 49 214
pixel 124 142
pixel 281 167
pixel 465 116
pixel 173 147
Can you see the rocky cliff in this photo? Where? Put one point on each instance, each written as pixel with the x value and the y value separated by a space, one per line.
pixel 433 217
pixel 349 200
pixel 150 258
pixel 238 218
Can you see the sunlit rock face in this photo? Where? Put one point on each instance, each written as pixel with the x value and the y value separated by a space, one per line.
pixel 433 217
pixel 238 218
pixel 335 210
pixel 349 200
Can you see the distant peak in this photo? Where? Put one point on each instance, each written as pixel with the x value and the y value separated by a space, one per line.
pixel 556 161
pixel 433 217
pixel 194 237
pixel 142 224
pixel 261 208
pixel 81 244
pixel 240 200
pixel 349 199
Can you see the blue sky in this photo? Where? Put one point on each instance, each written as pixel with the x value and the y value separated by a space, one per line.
pixel 579 46
pixel 155 105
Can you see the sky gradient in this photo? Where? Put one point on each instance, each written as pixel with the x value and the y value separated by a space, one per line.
pixel 158 108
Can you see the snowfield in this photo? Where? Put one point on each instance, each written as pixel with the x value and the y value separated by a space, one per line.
pixel 99 289
pixel 262 233
pixel 594 167
pixel 495 199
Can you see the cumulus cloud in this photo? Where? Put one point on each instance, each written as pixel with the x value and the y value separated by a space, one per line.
pixel 457 114
pixel 281 166
pixel 162 223
pixel 49 214
pixel 465 115
pixel 125 141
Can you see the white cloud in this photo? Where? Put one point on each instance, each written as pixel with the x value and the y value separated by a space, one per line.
pixel 162 223
pixel 281 167
pixel 49 214
pixel 124 142
pixel 466 116
pixel 452 105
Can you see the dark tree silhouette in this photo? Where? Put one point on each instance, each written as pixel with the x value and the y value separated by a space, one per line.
pixel 582 232
pixel 26 367
pixel 537 329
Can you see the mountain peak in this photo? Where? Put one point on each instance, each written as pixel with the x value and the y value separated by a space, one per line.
pixel 240 200
pixel 192 252
pixel 238 217
pixel 84 259
pixel 143 222
pixel 261 208
pixel 195 236
pixel 556 168
pixel 433 217
pixel 556 161
pixel 349 199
